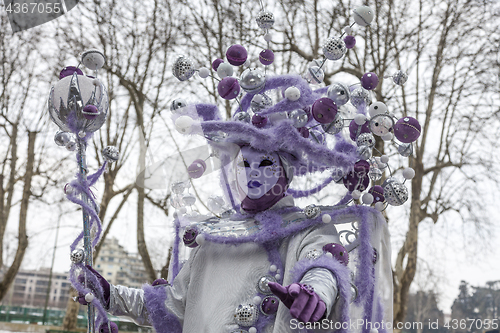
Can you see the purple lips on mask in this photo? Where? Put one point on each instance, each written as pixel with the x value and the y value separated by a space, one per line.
pixel 254 184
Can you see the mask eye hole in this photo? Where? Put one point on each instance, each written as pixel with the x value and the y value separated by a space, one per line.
pixel 244 164
pixel 265 163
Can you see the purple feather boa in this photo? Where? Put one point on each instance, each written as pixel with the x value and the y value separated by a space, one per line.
pixel 162 320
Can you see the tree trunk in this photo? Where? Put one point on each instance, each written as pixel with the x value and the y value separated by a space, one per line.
pixel 71 316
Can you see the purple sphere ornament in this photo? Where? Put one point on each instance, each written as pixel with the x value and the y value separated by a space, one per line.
pixel 338 252
pixel 369 81
pixel 324 110
pixel 159 282
pixel 407 129
pixel 259 121
pixel 236 55
pixel 69 70
pixel 216 63
pixel 90 112
pixel 228 88
pixel 358 178
pixel 355 130
pixel 189 237
pixel 378 193
pixel 197 168
pixel 349 41
pixel 108 327
pixel 266 57
pixel 269 305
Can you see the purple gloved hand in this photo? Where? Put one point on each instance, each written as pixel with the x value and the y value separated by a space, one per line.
pixel 102 281
pixel 303 302
pixel 104 328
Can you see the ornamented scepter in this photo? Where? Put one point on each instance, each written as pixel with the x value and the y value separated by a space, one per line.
pixel 78 104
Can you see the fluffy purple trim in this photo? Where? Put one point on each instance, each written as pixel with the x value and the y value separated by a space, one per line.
pixel 162 320
pixel 208 112
pixel 341 273
pixel 175 251
pixel 365 277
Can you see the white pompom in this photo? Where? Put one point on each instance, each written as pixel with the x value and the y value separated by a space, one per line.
pixel 273 268
pixel 408 173
pixel 360 119
pixel 329 255
pixel 204 72
pixel 89 297
pixel 374 330
pixel 257 99
pixel 277 276
pixel 257 300
pixel 384 159
pixel 292 93
pixel 200 239
pixel 379 206
pixel 252 330
pixel 96 82
pixel 183 124
pixel 387 136
pixel 326 218
pixel 377 108
pixel 225 70
pixel 367 198
pixel 268 37
pixel 348 30
pixel 356 194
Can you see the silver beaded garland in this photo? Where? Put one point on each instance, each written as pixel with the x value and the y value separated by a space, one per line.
pixel 265 20
pixel 183 68
pixel 246 314
pixel 334 48
pixel 77 255
pixel 360 96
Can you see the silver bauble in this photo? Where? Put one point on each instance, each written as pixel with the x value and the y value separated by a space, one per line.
pixel 260 102
pixel 252 80
pixel 62 138
pixel 299 117
pixel 77 255
pixel 188 199
pixel 70 95
pixel 262 284
pixel 246 314
pixel 395 193
pixel 177 104
pixel 315 75
pixel 93 59
pixel 312 211
pixel 178 187
pixel 339 93
pixel 400 77
pixel 242 116
pixel 405 149
pixel 183 68
pixel 265 20
pixel 381 124
pixel 335 126
pixel 366 139
pixel 364 152
pixel 334 48
pixel 375 174
pixel 111 154
pixel 360 96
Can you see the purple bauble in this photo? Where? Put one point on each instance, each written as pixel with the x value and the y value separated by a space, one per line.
pixel 266 57
pixel 236 55
pixel 104 328
pixel 378 193
pixel 353 129
pixel 407 129
pixel 304 131
pixel 69 70
pixel 228 88
pixel 159 282
pixel 90 112
pixel 369 81
pixel 324 110
pixel 216 63
pixel 269 305
pixel 338 251
pixel 189 237
pixel 358 178
pixel 259 121
pixel 197 168
pixel 349 41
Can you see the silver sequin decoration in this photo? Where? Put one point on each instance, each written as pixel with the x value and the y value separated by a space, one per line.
pixel 313 254
pixel 183 68
pixel 111 154
pixel 312 211
pixel 335 126
pixel 360 96
pixel 252 80
pixel 395 193
pixel 334 48
pixel 77 255
pixel 177 104
pixel 400 77
pixel 262 284
pixel 405 149
pixel 339 93
pixel 246 314
pixel 265 20
pixel 365 139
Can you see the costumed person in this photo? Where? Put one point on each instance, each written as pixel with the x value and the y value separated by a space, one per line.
pixel 266 265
